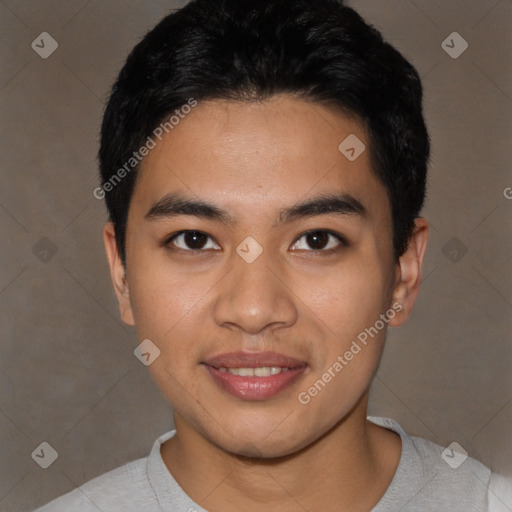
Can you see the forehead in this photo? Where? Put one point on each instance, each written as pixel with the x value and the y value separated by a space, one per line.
pixel 279 150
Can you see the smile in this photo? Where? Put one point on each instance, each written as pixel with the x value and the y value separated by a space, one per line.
pixel 254 376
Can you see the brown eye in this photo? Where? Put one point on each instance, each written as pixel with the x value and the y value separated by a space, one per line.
pixel 191 241
pixel 320 240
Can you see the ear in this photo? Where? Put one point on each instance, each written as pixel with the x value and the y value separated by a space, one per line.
pixel 118 274
pixel 408 273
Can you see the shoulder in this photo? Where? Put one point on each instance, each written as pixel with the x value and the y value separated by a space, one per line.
pixel 500 493
pixel 125 488
pixel 430 476
pixel 452 467
pixel 128 488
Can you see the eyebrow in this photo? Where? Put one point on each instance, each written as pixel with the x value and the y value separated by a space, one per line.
pixel 175 204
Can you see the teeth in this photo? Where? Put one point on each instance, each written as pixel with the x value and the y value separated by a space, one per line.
pixel 245 372
pixel 264 371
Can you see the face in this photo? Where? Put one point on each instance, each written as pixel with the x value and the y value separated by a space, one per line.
pixel 258 257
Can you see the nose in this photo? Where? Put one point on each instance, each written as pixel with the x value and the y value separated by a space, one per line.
pixel 255 297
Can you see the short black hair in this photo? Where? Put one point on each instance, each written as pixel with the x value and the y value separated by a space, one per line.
pixel 250 50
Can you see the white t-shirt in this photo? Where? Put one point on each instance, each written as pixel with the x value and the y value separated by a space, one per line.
pixel 423 482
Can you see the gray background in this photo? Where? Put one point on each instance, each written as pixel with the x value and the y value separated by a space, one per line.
pixel 68 375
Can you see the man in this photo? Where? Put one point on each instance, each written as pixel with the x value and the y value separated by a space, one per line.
pixel 264 167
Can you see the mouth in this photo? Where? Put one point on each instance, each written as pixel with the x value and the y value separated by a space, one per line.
pixel 254 376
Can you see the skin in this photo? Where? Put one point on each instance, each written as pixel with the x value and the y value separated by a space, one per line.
pixel 252 160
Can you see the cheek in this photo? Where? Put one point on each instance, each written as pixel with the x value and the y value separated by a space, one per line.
pixel 347 308
pixel 167 310
pixel 347 359
pixel 162 298
pixel 347 299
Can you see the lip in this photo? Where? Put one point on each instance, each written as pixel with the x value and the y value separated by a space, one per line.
pixel 252 387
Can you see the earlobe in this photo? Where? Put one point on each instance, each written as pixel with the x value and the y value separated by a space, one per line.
pixel 118 274
pixel 408 273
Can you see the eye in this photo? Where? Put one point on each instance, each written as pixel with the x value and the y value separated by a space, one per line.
pixel 317 240
pixel 320 240
pixel 191 241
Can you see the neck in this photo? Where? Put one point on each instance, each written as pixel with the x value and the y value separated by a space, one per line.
pixel 351 466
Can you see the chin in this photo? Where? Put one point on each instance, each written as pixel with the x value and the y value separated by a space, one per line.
pixel 264 439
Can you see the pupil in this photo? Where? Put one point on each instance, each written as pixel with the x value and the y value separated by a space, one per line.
pixel 318 238
pixel 194 239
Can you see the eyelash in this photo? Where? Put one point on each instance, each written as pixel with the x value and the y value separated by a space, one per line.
pixel 193 252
